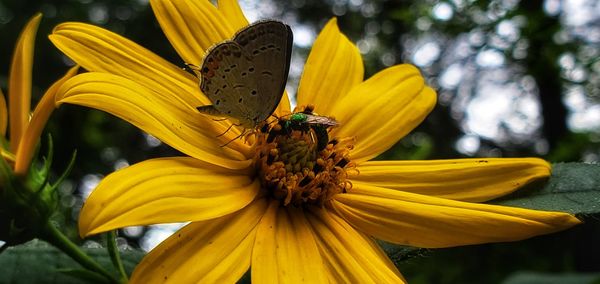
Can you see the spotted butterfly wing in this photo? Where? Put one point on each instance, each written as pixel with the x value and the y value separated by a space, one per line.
pixel 268 42
pixel 245 77
pixel 222 82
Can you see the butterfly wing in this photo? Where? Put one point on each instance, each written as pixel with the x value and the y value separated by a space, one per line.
pixel 225 81
pixel 270 45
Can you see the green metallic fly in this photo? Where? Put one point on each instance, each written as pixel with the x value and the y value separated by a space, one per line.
pixel 306 121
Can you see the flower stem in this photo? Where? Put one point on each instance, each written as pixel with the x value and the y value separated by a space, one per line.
pixel 113 251
pixel 53 236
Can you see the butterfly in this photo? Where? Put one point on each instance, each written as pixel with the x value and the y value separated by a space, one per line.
pixel 245 77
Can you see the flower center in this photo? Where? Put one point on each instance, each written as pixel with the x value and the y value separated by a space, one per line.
pixel 298 163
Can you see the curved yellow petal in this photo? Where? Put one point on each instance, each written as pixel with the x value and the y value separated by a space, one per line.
pixel 333 67
pixel 233 13
pixel 191 26
pixel 473 180
pixel 19 83
pixel 38 121
pixel 285 250
pixel 184 129
pixel 383 109
pixel 99 50
pixel 166 190
pixel 431 222
pixel 284 107
pixel 3 115
pixel 213 251
pixel 351 256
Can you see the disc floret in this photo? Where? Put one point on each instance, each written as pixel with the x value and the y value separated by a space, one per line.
pixel 298 164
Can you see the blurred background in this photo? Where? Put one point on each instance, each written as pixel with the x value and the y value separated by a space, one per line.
pixel 514 78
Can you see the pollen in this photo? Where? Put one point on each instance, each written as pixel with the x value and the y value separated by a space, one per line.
pixel 299 164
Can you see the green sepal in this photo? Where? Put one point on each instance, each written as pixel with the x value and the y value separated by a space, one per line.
pixel 26 202
pixel 65 174
pixel 24 206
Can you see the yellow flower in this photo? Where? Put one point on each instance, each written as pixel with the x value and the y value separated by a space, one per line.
pixel 256 205
pixel 25 129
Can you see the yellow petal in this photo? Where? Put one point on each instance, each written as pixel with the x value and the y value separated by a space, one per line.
pixel 166 190
pixel 19 83
pixel 383 109
pixel 285 250
pixel 191 26
pixel 97 49
pixel 333 67
pixel 213 251
pixel 284 106
pixel 233 13
pixel 184 129
pixel 3 115
pixel 431 222
pixel 351 256
pixel 38 121
pixel 473 180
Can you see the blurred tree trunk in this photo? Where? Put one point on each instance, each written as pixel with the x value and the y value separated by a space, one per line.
pixel 542 64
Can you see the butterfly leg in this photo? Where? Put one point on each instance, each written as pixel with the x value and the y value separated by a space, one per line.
pixel 229 128
pixel 241 135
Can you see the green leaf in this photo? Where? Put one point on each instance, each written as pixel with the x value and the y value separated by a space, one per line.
pixel 85 275
pixel 572 188
pixel 523 277
pixel 399 253
pixel 38 262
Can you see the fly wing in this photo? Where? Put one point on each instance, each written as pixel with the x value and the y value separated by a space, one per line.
pixel 269 43
pixel 321 120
